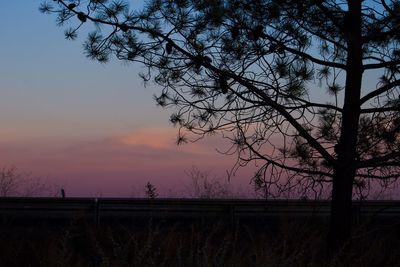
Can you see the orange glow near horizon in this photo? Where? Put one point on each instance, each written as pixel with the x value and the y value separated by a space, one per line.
pixel 111 166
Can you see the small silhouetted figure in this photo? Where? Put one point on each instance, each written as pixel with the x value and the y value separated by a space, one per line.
pixel 62 193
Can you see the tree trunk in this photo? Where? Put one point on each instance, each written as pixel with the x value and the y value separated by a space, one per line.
pixel 341 210
pixel 345 170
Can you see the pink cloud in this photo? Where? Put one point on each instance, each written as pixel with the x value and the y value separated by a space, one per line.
pixel 158 138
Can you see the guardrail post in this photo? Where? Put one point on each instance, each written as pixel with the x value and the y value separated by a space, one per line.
pixel 356 213
pixel 96 212
pixel 232 212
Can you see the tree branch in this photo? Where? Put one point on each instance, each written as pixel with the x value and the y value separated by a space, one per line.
pixel 379 110
pixel 266 99
pixel 283 166
pixel 379 91
pixel 305 55
pixel 382 65
pixel 386 160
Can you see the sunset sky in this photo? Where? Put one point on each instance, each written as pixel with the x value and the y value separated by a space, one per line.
pixel 91 128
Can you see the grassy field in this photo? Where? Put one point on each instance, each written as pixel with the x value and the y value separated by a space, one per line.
pixel 197 244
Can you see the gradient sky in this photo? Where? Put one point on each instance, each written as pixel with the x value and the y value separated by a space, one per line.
pixel 91 128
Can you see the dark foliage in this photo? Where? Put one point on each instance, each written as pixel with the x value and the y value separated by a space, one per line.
pixel 196 244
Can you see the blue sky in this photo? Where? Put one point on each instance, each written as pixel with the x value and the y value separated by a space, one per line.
pixel 45 77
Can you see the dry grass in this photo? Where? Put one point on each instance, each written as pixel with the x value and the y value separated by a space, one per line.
pixel 199 244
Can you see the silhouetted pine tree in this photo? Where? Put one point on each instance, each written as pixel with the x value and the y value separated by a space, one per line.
pixel 308 89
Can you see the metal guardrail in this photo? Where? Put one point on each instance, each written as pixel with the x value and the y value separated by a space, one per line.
pixel 100 209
